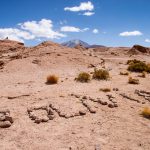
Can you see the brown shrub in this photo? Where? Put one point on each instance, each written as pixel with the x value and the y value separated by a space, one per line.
pixel 83 77
pixel 101 74
pixel 52 79
pixel 146 112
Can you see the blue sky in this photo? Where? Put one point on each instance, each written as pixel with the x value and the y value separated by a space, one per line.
pixel 105 22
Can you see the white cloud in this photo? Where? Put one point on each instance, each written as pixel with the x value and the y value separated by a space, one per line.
pixel 147 40
pixel 15 34
pixel 41 29
pixel 73 29
pixel 70 29
pixel 63 22
pixel 132 33
pixel 85 29
pixel 84 6
pixel 88 13
pixel 95 31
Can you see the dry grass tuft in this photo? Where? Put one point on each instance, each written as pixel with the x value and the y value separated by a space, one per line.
pixel 83 77
pixel 146 112
pixel 52 79
pixel 105 89
pixel 133 81
pixel 101 74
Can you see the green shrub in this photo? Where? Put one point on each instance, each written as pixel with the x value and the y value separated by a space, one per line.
pixel 133 61
pixel 101 74
pixel 83 77
pixel 138 66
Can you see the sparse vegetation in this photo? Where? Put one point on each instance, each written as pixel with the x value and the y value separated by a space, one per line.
pixel 133 81
pixel 52 79
pixel 105 89
pixel 138 66
pixel 146 112
pixel 133 61
pixel 101 74
pixel 83 77
pixel 148 68
pixel 125 73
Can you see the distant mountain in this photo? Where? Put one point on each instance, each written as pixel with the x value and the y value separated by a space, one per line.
pixel 96 46
pixel 74 43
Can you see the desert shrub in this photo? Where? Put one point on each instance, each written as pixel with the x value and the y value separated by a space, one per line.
pixel 137 67
pixel 133 81
pixel 105 89
pixel 146 112
pixel 133 61
pixel 83 77
pixel 52 79
pixel 101 74
pixel 148 68
pixel 125 73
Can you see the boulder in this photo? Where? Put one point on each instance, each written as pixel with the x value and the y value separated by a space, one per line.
pixel 5 124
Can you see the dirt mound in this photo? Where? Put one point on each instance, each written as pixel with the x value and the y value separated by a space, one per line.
pixel 47 43
pixel 10 46
pixel 136 49
pixel 80 47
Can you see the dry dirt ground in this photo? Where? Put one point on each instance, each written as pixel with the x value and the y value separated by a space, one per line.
pixel 81 118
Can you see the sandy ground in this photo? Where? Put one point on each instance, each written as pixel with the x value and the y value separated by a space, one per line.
pixel 100 128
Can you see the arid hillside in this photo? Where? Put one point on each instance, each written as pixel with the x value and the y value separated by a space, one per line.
pixel 57 98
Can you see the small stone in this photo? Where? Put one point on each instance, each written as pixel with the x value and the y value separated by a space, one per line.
pixel 92 99
pixel 111 99
pixel 97 147
pixel 115 105
pixel 45 119
pixel 77 96
pixel 37 120
pixel 103 103
pixel 8 118
pixel 4 111
pixel 82 112
pixel 2 117
pixel 84 97
pixel 110 105
pixel 29 110
pixel 49 111
pixel 51 117
pixel 72 94
pixel 5 124
pixel 32 116
pixel 92 111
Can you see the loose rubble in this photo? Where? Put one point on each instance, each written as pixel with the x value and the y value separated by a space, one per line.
pixel 5 119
